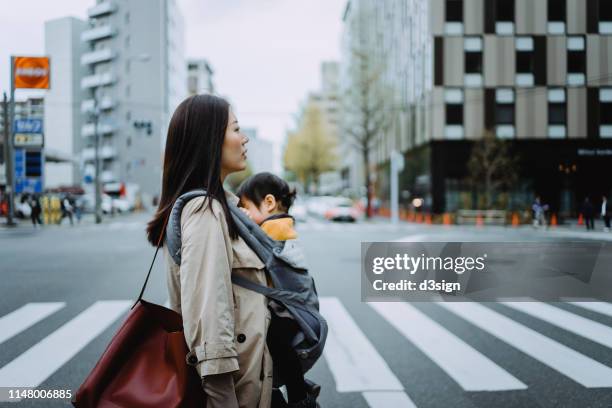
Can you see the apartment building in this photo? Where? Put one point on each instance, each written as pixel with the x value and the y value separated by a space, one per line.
pixel 136 77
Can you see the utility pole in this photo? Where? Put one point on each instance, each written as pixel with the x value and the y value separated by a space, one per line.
pixel 397 165
pixel 8 125
pixel 8 153
pixel 96 119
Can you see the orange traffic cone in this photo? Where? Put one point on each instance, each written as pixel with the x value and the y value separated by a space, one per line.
pixel 446 219
pixel 419 218
pixel 479 221
pixel 580 219
pixel 515 220
pixel 553 220
pixel 428 219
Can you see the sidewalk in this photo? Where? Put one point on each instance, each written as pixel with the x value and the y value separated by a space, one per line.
pixel 86 220
pixel 570 229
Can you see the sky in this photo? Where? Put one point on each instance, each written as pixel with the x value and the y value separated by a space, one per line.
pixel 266 54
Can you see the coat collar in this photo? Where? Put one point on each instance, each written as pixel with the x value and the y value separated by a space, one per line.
pixel 231 197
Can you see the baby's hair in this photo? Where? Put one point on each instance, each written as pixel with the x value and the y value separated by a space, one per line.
pixel 256 187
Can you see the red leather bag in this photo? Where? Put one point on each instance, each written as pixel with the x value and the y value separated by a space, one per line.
pixel 145 363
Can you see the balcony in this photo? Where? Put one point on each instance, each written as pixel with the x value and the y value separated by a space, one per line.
pixel 106 103
pixel 96 80
pixel 103 129
pixel 98 33
pixel 106 152
pixel 94 57
pixel 101 9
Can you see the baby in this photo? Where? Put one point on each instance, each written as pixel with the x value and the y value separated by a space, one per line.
pixel 267 199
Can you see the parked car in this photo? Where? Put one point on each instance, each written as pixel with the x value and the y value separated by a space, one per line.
pixel 342 209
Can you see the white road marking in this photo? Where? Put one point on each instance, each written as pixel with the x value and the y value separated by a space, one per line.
pixel 26 316
pixel 571 322
pixel 578 367
pixel 604 308
pixel 354 363
pixel 386 399
pixel 469 368
pixel 35 365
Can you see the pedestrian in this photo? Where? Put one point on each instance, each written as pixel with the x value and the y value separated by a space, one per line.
pixel 588 213
pixel 605 213
pixel 36 210
pixel 266 199
pixel 539 212
pixel 67 209
pixel 78 208
pixel 225 325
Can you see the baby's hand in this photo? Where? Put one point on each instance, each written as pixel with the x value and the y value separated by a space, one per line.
pixel 244 210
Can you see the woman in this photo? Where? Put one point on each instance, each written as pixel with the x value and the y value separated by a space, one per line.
pixel 225 325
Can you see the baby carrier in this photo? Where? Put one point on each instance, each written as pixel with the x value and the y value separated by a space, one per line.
pixel 294 294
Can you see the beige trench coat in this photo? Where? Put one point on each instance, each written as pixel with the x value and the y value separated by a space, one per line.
pixel 225 325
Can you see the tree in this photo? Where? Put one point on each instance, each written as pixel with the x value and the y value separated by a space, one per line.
pixel 310 150
pixel 492 167
pixel 365 111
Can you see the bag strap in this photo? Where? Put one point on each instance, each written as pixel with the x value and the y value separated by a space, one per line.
pixel 159 241
pixel 249 284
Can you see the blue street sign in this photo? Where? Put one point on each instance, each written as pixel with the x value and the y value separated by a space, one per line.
pixel 28 126
pixel 29 166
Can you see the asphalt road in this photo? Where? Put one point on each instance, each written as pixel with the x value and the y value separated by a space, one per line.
pixel 65 290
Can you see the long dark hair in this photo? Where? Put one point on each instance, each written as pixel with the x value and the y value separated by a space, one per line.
pixel 257 187
pixel 192 159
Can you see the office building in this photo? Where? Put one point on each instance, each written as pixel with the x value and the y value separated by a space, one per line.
pixel 533 72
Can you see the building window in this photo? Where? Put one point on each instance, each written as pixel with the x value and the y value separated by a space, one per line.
pixel 576 61
pixel 557 114
pixel 605 17
pixel 605 113
pixel 557 12
pixel 504 113
pixel 453 24
pixel 504 17
pixel 525 61
pixel 473 61
pixel 453 100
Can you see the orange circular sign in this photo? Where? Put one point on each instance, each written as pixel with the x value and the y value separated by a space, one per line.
pixel 31 72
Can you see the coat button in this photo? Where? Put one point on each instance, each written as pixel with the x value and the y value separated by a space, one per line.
pixel 241 338
pixel 192 359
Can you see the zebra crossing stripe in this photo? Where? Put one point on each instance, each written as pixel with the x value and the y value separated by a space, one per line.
pixel 34 366
pixel 354 363
pixel 26 316
pixel 386 399
pixel 571 322
pixel 578 367
pixel 603 308
pixel 469 368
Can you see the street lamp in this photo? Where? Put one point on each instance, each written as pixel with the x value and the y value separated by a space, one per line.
pixel 96 118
